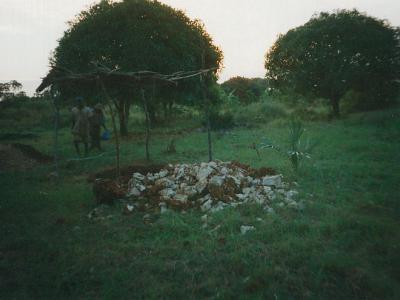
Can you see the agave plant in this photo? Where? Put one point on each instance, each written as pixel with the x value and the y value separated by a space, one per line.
pixel 297 149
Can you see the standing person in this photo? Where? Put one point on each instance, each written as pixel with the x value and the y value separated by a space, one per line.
pixel 96 121
pixel 80 125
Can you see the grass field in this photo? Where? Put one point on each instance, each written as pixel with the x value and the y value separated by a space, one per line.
pixel 345 244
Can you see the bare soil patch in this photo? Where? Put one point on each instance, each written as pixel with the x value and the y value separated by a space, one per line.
pixel 19 157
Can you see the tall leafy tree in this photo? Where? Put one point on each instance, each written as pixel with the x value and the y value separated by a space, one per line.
pixel 247 90
pixel 334 53
pixel 134 35
pixel 8 89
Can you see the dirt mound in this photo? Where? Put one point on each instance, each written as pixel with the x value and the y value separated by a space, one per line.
pixel 107 188
pixel 126 172
pixel 19 157
pixel 32 153
pixel 256 173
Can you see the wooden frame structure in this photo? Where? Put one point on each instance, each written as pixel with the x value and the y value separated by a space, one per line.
pixel 102 74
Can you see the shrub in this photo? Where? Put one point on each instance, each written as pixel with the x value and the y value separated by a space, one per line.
pixel 313 112
pixel 259 112
pixel 220 120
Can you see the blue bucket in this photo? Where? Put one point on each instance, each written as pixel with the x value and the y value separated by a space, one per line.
pixel 106 135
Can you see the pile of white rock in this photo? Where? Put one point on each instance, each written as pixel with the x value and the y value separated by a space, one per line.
pixel 210 187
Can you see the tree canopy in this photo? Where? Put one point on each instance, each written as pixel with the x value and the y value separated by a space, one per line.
pixel 334 53
pixel 9 89
pixel 134 35
pixel 247 90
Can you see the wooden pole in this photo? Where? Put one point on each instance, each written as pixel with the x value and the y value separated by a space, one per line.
pixel 146 112
pixel 207 106
pixel 117 142
pixel 56 126
pixel 210 158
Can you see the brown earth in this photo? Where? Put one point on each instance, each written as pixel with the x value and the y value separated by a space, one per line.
pixel 19 157
pixel 107 188
pixel 256 173
pixel 126 172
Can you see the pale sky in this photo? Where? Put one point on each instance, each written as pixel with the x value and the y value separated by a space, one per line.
pixel 244 29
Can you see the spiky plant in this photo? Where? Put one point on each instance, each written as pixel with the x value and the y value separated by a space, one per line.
pixel 297 147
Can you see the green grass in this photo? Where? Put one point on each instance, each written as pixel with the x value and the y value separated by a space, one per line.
pixel 345 244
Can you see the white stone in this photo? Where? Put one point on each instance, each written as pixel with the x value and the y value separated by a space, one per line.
pixel 220 206
pixel 260 199
pixel 271 195
pixel 162 174
pixel 245 228
pixel 275 181
pixel 204 218
pixel 224 171
pixel 134 192
pixel 240 196
pixel 206 206
pixel 215 229
pixel 217 180
pixel 212 164
pixel 204 199
pixel 133 182
pixel 167 193
pixel 138 176
pixel 201 186
pixel 141 187
pixel 246 191
pixel 270 210
pixel 165 182
pixel 204 172
pixel 267 189
pixel 181 198
pixel 180 173
pixel 163 207
pixel 189 191
pixel 291 194
pixel 236 180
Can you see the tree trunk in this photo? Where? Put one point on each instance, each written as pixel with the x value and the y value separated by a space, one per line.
pixel 56 127
pixel 146 111
pixel 170 106
pixel 123 116
pixel 335 107
pixel 117 146
pixel 210 158
pixel 122 124
pixel 127 108
pixel 152 113
pixel 165 108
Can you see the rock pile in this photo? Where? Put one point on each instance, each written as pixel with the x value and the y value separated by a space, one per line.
pixel 210 187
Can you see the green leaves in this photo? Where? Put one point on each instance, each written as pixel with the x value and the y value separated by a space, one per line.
pixel 334 53
pixel 297 148
pixel 135 35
